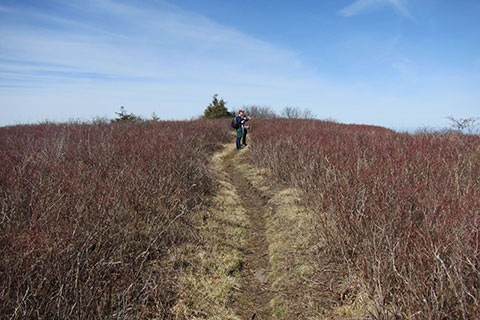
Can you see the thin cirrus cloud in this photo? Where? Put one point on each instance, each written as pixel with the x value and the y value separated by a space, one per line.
pixel 110 53
pixel 111 40
pixel 82 58
pixel 362 6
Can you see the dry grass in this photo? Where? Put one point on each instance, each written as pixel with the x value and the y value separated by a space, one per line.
pixel 294 251
pixel 208 284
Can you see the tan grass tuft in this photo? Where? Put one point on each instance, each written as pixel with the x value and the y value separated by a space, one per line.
pixel 208 285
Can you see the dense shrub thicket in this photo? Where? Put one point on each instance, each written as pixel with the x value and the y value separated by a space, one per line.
pixel 404 210
pixel 91 215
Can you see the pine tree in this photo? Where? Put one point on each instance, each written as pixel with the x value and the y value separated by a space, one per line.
pixel 123 116
pixel 216 109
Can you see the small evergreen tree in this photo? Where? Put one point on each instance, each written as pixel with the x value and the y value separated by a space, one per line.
pixel 155 117
pixel 123 116
pixel 216 109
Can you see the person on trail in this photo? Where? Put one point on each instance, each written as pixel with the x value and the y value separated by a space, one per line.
pixel 245 129
pixel 240 128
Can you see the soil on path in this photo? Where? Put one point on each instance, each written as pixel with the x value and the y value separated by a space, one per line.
pixel 253 298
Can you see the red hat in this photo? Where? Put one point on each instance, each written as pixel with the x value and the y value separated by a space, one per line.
pixel 241 111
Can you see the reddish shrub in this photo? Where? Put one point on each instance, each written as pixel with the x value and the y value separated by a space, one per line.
pixel 404 209
pixel 92 213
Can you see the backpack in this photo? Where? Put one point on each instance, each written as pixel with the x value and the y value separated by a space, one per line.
pixel 235 123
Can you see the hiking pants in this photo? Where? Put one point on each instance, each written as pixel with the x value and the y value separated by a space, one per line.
pixel 239 138
pixel 244 137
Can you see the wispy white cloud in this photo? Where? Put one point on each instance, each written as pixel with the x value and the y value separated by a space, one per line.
pixel 81 58
pixel 153 58
pixel 125 40
pixel 361 6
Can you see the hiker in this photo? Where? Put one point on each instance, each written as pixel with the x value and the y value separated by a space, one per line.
pixel 245 129
pixel 239 120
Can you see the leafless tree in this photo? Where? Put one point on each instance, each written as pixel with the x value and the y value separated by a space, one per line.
pixel 297 113
pixel 468 125
pixel 260 112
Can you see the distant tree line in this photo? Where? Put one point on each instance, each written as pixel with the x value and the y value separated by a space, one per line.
pixel 217 109
pixel 266 112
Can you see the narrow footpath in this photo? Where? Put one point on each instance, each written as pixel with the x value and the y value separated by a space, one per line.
pixel 260 256
pixel 253 298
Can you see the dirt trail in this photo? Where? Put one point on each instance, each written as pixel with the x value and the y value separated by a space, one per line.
pixel 261 256
pixel 252 301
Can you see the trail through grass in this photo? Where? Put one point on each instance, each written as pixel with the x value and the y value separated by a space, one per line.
pixel 256 259
pixel 255 294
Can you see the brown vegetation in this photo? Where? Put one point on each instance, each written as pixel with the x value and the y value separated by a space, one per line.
pixel 403 211
pixel 128 220
pixel 92 215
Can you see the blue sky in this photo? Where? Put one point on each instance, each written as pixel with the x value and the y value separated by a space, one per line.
pixel 397 63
